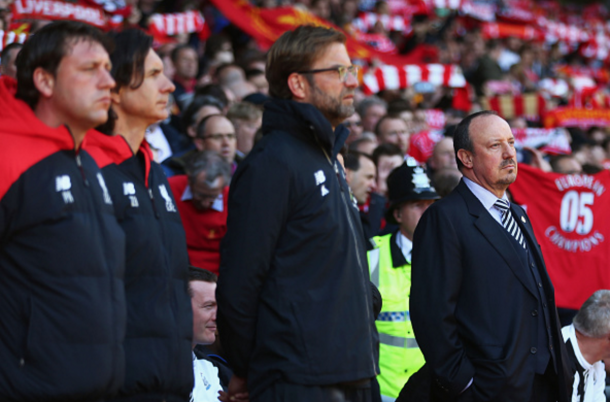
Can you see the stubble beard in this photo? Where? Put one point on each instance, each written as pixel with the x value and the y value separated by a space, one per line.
pixel 332 108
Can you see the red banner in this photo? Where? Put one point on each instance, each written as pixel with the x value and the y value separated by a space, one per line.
pixel 571 220
pixel 58 10
pixel 162 26
pixel 266 25
pixel 572 117
pixel 499 30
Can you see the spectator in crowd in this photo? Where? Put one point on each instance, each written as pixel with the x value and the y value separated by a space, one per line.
pixel 216 133
pixel 442 156
pixel 371 109
pixel 410 194
pixel 588 347
pixel 360 174
pixel 298 237
pixel 566 164
pixel 202 196
pixel 488 68
pixel 216 91
pixel 393 130
pixel 200 108
pixel 186 64
pixel 157 341
pixel 387 157
pixel 202 288
pixel 365 145
pixel 445 180
pixel 62 251
pixel 8 58
pixel 246 119
pixel 257 78
pixel 354 125
pixel 218 50
pixel 461 248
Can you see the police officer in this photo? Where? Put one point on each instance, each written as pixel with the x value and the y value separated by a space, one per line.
pixel 410 194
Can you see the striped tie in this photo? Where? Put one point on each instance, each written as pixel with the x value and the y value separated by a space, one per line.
pixel 509 222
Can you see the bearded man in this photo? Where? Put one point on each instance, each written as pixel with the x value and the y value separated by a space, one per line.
pixel 294 298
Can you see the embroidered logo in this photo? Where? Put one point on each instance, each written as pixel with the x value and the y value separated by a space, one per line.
pixel 169 203
pixel 129 189
pixel 107 198
pixel 320 177
pixel 63 186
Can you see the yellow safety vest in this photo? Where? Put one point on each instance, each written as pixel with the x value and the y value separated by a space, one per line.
pixel 399 355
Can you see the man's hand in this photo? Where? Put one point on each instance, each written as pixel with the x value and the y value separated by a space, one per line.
pixel 237 392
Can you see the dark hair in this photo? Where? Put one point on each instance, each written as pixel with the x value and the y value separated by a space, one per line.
pixel 200 274
pixel 461 135
pixel 7 50
pixel 127 65
pixel 386 149
pixel 384 118
pixel 47 48
pixel 201 126
pixel 214 44
pixel 352 160
pixel 174 54
pixel 188 117
pixel 215 90
pixel 295 51
pixel 398 106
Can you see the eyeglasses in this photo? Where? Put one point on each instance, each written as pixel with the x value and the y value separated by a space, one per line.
pixel 342 70
pixel 352 123
pixel 219 137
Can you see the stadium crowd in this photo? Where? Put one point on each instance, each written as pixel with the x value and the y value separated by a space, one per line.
pixel 182 139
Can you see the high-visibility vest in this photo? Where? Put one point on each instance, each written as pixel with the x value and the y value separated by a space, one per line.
pixel 399 355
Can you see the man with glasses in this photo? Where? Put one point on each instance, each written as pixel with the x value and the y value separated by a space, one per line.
pixel 216 133
pixel 294 297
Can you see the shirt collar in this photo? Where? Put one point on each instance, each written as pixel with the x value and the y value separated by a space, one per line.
pixel 405 245
pixel 486 197
pixel 218 204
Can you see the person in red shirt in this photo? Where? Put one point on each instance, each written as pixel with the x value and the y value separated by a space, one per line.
pixel 201 196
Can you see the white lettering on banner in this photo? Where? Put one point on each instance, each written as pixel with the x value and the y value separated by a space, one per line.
pixel 580 180
pixel 573 245
pixel 59 9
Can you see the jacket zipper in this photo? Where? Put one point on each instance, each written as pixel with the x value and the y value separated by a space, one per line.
pixel 355 237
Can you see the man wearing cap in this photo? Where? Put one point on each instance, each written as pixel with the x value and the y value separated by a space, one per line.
pixel 410 195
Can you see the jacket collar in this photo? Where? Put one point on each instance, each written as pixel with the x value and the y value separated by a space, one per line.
pixel 398 258
pixel 305 121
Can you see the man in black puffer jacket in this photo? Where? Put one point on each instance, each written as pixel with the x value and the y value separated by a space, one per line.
pixel 62 252
pixel 159 317
pixel 294 298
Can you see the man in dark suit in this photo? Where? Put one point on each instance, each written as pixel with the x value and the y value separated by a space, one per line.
pixel 482 304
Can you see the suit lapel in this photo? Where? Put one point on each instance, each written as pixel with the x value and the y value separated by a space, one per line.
pixel 497 236
pixel 528 232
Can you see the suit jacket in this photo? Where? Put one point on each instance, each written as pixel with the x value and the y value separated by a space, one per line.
pixel 475 305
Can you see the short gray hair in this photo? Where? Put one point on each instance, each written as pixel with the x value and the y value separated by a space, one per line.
pixel 593 318
pixel 212 164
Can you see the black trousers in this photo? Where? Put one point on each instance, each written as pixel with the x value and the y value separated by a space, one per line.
pixel 286 392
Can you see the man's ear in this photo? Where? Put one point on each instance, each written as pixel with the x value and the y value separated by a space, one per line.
pixel 199 144
pixel 298 86
pixel 44 82
pixel 396 214
pixel 465 157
